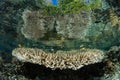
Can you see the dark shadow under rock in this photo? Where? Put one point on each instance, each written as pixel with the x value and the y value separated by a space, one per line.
pixel 33 70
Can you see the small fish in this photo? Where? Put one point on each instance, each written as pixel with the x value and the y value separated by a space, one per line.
pixel 19 45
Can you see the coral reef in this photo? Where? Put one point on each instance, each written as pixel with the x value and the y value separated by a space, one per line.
pixel 69 26
pixel 73 59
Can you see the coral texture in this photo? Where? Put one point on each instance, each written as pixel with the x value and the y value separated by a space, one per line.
pixel 74 59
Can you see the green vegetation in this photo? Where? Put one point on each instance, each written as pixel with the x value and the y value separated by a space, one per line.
pixel 71 6
pixel 40 3
pixel 95 4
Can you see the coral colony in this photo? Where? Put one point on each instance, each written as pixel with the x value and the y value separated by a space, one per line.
pixel 74 59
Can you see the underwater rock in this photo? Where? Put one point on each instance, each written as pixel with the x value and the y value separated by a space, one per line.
pixel 74 59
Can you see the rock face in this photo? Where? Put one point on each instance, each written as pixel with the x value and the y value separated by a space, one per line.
pixel 74 59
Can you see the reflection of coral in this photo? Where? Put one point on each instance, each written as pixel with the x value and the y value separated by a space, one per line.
pixel 34 24
pixel 70 25
pixel 73 25
pixel 73 59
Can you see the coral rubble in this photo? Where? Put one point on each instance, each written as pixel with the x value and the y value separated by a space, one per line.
pixel 74 59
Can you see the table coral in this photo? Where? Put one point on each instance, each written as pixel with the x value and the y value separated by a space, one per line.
pixel 74 59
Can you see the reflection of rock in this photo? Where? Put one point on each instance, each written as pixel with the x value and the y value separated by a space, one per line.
pixel 74 59
pixel 73 25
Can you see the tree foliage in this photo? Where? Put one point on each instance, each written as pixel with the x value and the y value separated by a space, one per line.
pixel 71 6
